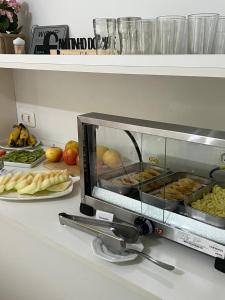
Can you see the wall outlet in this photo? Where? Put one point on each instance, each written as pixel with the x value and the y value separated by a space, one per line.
pixel 28 119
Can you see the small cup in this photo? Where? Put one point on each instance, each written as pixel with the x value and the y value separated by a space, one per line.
pixel 129 29
pixel 105 35
pixel 19 46
pixel 201 32
pixel 148 42
pixel 219 43
pixel 171 34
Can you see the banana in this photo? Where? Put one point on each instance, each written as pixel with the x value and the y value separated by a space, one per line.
pixel 31 140
pixel 19 143
pixel 14 135
pixel 20 137
pixel 24 134
pixel 10 141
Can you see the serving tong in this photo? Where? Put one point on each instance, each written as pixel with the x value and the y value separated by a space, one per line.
pixel 114 235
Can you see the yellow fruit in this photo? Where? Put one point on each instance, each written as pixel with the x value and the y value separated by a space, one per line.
pixel 59 187
pixel 32 140
pixel 100 150
pixel 53 154
pixel 72 145
pixel 112 159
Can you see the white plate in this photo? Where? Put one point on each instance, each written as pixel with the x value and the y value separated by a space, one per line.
pixel 14 196
pixel 102 252
pixel 3 145
pixel 24 165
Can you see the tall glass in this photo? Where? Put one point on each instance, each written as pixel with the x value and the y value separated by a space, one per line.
pixel 105 35
pixel 219 43
pixel 201 33
pixel 148 36
pixel 171 34
pixel 129 30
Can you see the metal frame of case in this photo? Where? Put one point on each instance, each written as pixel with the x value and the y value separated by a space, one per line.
pixel 86 131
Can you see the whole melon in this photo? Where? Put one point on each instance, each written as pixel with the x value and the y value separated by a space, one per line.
pixel 100 151
pixel 112 159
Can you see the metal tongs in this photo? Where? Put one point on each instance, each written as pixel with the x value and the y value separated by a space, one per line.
pixel 114 235
pixel 118 231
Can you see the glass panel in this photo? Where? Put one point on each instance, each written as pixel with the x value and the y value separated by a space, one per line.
pixel 192 165
pixel 154 168
pixel 191 157
pixel 116 156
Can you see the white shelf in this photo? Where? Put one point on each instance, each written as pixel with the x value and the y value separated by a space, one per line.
pixel 170 65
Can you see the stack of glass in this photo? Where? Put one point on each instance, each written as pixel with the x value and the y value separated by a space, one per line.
pixel 195 34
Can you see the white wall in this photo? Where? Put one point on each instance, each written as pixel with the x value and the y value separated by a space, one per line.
pixel 54 126
pixel 79 14
pixel 191 101
pixel 8 115
pixel 56 97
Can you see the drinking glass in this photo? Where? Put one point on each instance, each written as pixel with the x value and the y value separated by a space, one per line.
pixel 201 33
pixel 129 30
pixel 171 34
pixel 148 36
pixel 105 35
pixel 219 43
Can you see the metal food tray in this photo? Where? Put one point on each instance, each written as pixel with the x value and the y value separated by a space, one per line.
pixel 150 191
pixel 201 215
pixel 105 180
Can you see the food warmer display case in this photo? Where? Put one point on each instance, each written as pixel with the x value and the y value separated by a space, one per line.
pixel 167 179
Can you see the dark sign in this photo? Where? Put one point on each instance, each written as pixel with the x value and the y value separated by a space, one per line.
pixel 66 44
pixel 43 35
pixel 47 38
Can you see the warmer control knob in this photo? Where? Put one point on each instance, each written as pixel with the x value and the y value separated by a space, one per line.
pixel 144 226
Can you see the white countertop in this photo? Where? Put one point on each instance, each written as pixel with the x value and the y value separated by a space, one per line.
pixel 194 277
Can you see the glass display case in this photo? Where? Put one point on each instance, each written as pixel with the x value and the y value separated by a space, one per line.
pixel 167 176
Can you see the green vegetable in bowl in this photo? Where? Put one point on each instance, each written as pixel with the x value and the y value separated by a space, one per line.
pixel 23 156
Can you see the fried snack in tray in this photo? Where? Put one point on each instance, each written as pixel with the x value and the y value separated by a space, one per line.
pixel 136 178
pixel 212 203
pixel 180 189
pixel 31 183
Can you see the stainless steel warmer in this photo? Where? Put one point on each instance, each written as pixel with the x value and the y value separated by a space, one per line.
pixel 148 174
